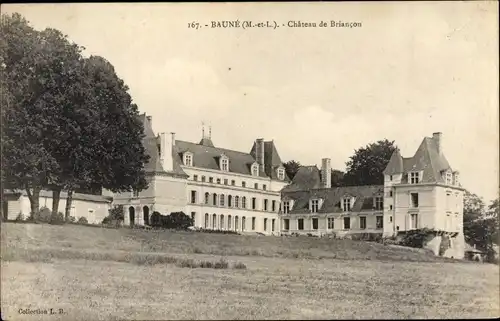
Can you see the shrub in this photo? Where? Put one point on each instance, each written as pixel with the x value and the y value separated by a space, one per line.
pixel 176 220
pixel 217 231
pixel 369 237
pixel 44 215
pixel 57 219
pixel 83 220
pixel 239 266
pixel 416 238
pixel 72 219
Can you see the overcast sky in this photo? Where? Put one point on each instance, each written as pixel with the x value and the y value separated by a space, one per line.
pixel 411 69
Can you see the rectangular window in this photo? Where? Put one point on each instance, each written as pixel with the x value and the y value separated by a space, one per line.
pixel 193 197
pixel 362 222
pixel 203 178
pixel 379 203
pixel 193 216
pixel 449 178
pixel 273 206
pixel 314 206
pixel 414 177
pixel 195 178
pixel 331 223
pixel 243 202
pixel 264 187
pixel 243 184
pixel 286 207
pixel 286 224
pixel 272 225
pixel 265 224
pixel 390 177
pixel 256 186
pixel 390 219
pixel 254 203
pixel 188 160
pixel 300 223
pixel 414 200
pixel 457 179
pixel 414 221
pixel 347 223
pixel 265 205
pixel 390 207
pixel 218 180
pixel 380 221
pixel 281 174
pixel 390 193
pixel 243 223
pixel 315 223
pixel 255 171
pixel 225 165
pixel 253 223
pixel 222 199
pixel 210 179
pixel 225 181
pixel 233 182
pixel 347 204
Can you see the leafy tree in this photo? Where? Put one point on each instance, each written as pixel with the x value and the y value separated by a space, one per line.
pixel 473 207
pixel 26 163
pixel 493 209
pixel 367 164
pixel 337 177
pixel 291 168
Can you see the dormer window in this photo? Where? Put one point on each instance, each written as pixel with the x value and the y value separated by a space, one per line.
pixel 449 178
pixel 188 159
pixel 457 179
pixel 255 169
pixel 379 203
pixel 224 163
pixel 346 204
pixel 414 177
pixel 287 207
pixel 314 205
pixel 281 174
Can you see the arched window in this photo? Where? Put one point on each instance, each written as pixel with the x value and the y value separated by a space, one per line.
pixel 229 222
pixel 243 223
pixel 221 203
pixel 145 212
pixel 207 198
pixel 206 220
pixel 214 199
pixel 236 201
pixel 214 222
pixel 243 202
pixel 229 201
pixel 236 222
pixel 131 215
pixel 221 226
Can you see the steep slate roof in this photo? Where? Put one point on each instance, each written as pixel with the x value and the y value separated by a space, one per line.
pixel 307 177
pixel 151 143
pixel 364 198
pixel 426 159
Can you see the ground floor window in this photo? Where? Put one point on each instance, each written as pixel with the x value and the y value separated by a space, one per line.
pixel 414 221
pixel 380 221
pixel 362 222
pixel 229 222
pixel 286 224
pixel 272 225
pixel 206 220
pixel 253 223
pixel 243 223
pixel 265 224
pixel 214 221
pixel 300 223
pixel 331 223
pixel 315 223
pixel 236 223
pixel 347 223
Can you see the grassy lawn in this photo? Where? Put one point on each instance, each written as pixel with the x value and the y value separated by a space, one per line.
pixel 93 273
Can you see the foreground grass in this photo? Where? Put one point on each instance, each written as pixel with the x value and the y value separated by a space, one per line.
pixel 101 274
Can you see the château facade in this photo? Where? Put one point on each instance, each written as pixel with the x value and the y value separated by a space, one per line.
pixel 219 188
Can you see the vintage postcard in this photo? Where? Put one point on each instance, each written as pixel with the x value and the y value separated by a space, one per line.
pixel 249 161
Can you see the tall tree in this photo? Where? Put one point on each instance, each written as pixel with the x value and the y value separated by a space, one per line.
pixel 367 164
pixel 493 209
pixel 291 168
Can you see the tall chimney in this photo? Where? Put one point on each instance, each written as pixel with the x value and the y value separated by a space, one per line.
pixel 326 173
pixel 166 159
pixel 259 152
pixel 438 140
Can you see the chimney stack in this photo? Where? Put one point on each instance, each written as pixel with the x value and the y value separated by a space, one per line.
pixel 438 140
pixel 326 173
pixel 166 158
pixel 259 152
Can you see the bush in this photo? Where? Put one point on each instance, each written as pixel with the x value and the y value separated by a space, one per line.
pixel 239 266
pixel 72 219
pixel 217 231
pixel 44 215
pixel 416 238
pixel 83 220
pixel 176 220
pixel 57 219
pixel 369 237
pixel 19 217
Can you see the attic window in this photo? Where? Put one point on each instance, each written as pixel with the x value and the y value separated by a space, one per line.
pixel 314 205
pixel 449 178
pixel 188 159
pixel 346 204
pixel 414 177
pixel 286 207
pixel 224 164
pixel 379 203
pixel 457 179
pixel 255 170
pixel 281 174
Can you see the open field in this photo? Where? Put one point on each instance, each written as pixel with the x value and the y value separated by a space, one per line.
pixel 94 273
